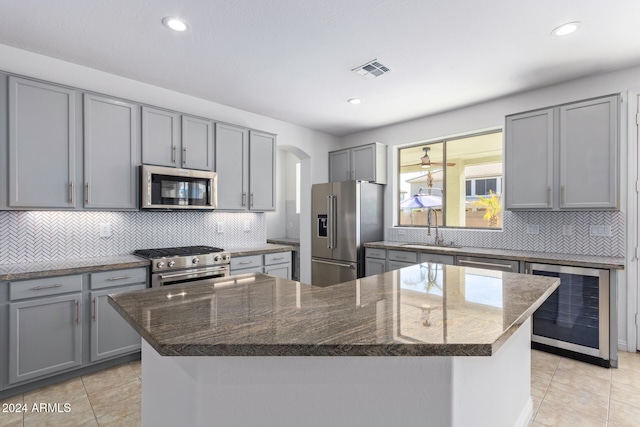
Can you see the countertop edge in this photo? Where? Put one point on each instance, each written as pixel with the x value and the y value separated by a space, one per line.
pixel 514 255
pixel 66 271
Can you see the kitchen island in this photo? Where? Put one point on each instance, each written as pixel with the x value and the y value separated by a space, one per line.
pixel 472 324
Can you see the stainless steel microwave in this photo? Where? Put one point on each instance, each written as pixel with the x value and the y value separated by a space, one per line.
pixel 172 188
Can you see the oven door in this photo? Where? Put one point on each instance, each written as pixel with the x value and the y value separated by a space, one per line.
pixel 184 276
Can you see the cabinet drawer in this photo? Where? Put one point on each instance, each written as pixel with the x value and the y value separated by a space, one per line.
pixel 403 256
pixel 107 279
pixel 439 258
pixel 246 262
pixel 375 253
pixel 277 258
pixel 43 287
pixel 396 265
pixel 490 264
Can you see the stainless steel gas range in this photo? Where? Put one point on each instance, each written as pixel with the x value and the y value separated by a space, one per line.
pixel 171 266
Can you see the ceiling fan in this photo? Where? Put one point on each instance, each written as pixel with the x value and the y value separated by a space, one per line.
pixel 426 162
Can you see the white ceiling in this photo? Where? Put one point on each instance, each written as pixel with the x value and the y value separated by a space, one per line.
pixel 292 59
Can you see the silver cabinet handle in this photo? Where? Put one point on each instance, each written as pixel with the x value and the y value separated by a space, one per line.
pixel 244 199
pixel 562 195
pixel 111 279
pixel 78 312
pixel 173 154
pixel 39 288
pixel 184 155
pixel 548 196
pixel 485 264
pixel 95 310
pixel 401 257
pixel 278 258
pixel 71 192
pixel 87 191
pixel 245 262
pixel 251 203
pixel 348 175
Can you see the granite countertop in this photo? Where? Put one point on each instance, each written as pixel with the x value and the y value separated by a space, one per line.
pixel 531 256
pixel 265 248
pixel 32 270
pixel 285 241
pixel 440 310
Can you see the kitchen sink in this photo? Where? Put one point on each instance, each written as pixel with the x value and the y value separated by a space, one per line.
pixel 428 246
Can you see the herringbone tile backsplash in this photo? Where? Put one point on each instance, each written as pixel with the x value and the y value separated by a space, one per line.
pixel 514 234
pixel 28 236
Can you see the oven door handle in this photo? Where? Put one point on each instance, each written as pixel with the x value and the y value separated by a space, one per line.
pixel 192 274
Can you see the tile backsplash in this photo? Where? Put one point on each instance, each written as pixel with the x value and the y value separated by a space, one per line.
pixel 28 236
pixel 550 239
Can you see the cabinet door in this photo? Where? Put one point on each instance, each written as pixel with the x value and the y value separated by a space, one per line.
pixel 262 171
pixel 373 266
pixel 589 154
pixel 280 270
pixel 529 160
pixel 363 163
pixel 111 335
pixel 396 265
pixel 42 145
pixel 231 151
pixel 197 143
pixel 45 336
pixel 111 147
pixel 160 137
pixel 339 166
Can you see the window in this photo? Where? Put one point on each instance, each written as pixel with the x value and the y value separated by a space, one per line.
pixel 459 180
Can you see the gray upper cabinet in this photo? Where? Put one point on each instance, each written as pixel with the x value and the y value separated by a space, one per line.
pixel 589 154
pixel 245 163
pixel 339 166
pixel 171 139
pixel 197 143
pixel 564 158
pixel 42 145
pixel 529 160
pixel 232 146
pixel 160 137
pixel 111 147
pixel 262 171
pixel 364 163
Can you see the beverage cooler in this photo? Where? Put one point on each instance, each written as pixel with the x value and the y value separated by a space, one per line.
pixel 575 320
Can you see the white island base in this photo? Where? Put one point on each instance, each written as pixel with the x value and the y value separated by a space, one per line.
pixel 340 391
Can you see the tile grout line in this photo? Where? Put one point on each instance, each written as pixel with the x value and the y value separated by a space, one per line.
pixel 89 399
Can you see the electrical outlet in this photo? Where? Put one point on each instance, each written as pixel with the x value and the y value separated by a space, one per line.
pixel 402 233
pixel 247 226
pixel 533 229
pixel 220 227
pixel 600 230
pixel 105 229
pixel 567 229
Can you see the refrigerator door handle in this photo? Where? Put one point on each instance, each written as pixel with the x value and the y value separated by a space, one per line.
pixel 329 222
pixel 339 264
pixel 334 216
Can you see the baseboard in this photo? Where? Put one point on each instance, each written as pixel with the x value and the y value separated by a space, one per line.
pixel 526 416
pixel 622 345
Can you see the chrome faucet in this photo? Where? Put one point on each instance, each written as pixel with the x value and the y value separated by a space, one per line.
pixel 439 240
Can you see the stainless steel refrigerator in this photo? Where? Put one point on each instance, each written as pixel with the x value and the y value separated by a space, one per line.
pixel 345 215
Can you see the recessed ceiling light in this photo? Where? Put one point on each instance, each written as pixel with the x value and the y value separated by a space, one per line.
pixel 566 29
pixel 175 24
pixel 354 101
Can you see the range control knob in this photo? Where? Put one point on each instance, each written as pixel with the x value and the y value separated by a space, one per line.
pixel 160 264
pixel 195 260
pixel 216 258
pixel 172 263
pixel 225 257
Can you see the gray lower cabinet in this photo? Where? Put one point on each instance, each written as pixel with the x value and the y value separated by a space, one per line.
pixel 373 266
pixel 437 258
pixel 45 336
pixel 110 334
pixel 396 265
pixel 111 147
pixel 282 271
pixel 275 264
pixel 42 145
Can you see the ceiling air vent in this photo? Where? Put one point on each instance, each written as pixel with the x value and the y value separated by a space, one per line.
pixel 371 69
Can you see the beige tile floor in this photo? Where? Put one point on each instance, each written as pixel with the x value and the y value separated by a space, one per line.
pixel 565 393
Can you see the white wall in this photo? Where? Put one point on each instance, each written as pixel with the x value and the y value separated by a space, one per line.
pixel 490 115
pixel 313 143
